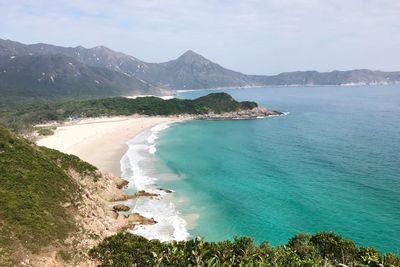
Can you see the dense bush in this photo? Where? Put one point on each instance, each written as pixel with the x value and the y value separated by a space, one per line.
pixel 45 131
pixel 321 249
pixel 215 102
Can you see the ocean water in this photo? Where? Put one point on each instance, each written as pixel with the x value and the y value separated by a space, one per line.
pixel 332 164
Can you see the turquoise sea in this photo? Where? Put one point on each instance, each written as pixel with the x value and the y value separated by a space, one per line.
pixel 333 164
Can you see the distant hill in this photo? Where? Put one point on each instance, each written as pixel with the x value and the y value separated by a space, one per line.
pixel 60 76
pixel 189 71
pixel 50 71
pixel 351 77
pixel 193 71
pixel 98 56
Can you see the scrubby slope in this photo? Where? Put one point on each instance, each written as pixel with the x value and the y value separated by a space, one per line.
pixel 43 203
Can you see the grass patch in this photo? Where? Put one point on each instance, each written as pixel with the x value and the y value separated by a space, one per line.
pixel 46 131
pixel 65 255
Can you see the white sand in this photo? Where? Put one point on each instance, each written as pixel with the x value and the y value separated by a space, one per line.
pixel 100 141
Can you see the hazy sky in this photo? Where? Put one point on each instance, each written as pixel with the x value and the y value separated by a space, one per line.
pixel 251 36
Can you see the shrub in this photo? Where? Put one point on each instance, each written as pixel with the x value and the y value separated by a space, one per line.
pixel 321 249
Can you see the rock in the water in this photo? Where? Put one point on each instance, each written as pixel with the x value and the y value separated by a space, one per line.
pixel 143 193
pixel 136 218
pixel 122 184
pixel 121 207
pixel 121 197
pixel 166 190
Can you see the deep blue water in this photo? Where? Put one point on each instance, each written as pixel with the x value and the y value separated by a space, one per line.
pixel 333 164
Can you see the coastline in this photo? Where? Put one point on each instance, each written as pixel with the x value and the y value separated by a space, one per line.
pixel 158 203
pixel 101 141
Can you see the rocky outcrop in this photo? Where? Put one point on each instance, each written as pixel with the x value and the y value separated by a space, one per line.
pixel 254 113
pixel 95 219
pixel 143 193
pixel 137 219
pixel 134 219
pixel 165 190
pixel 121 207
pixel 122 184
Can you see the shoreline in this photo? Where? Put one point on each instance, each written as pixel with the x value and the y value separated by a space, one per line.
pixel 160 204
pixel 101 141
pixel 106 143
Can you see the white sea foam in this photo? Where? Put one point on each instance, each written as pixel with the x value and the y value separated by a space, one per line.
pixel 170 224
pixel 270 116
pixel 154 136
pixel 152 149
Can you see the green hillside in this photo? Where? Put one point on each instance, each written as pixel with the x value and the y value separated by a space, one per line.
pixel 215 102
pixel 33 184
pixel 38 113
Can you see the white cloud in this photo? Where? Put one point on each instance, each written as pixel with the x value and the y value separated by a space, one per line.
pixel 253 36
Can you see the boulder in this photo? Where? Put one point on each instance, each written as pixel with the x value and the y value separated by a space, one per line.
pixel 143 193
pixel 136 218
pixel 122 183
pixel 120 197
pixel 166 190
pixel 121 207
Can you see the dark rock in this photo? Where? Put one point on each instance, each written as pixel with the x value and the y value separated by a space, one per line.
pixel 122 184
pixel 165 190
pixel 121 207
pixel 143 193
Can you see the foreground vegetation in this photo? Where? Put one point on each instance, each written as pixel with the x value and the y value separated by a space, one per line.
pixel 321 249
pixel 24 116
pixel 34 181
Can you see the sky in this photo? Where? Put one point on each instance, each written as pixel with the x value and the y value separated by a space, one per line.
pixel 250 36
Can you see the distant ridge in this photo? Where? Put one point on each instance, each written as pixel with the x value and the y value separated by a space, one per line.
pixel 351 77
pixel 43 70
pixel 60 76
pixel 104 72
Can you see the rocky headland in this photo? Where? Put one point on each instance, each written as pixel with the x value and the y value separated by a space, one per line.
pixel 96 216
pixel 254 113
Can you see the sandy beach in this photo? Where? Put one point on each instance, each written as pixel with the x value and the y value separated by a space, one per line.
pixel 100 141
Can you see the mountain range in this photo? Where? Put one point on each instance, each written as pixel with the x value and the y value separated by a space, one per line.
pixel 53 71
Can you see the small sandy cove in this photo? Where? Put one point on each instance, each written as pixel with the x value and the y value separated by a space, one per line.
pixel 100 141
